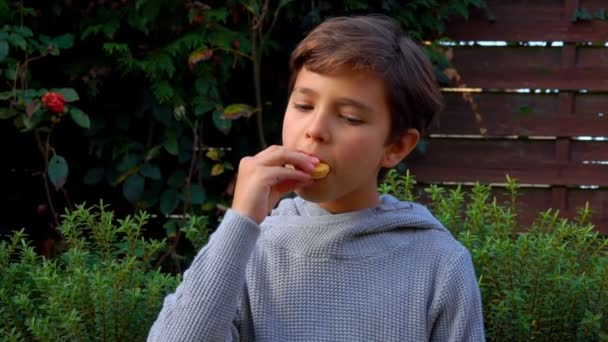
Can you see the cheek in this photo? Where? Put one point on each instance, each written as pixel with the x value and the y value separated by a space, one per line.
pixel 287 131
pixel 362 151
pixel 364 145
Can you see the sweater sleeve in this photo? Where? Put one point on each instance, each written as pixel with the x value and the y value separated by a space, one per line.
pixel 458 311
pixel 204 305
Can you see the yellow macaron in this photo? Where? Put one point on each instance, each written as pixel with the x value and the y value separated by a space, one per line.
pixel 320 171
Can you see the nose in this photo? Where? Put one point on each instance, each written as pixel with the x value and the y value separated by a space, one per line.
pixel 318 128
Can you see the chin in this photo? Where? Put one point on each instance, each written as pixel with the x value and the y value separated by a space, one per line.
pixel 314 193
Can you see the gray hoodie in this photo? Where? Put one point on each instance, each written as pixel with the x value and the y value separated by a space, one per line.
pixel 387 273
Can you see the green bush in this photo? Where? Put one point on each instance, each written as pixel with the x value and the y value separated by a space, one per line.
pixel 101 288
pixel 547 283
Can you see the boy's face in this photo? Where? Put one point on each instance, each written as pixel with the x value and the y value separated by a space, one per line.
pixel 344 120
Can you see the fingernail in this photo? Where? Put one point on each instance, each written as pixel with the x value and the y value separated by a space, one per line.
pixel 311 166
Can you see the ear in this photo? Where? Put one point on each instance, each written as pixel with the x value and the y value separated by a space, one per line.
pixel 399 149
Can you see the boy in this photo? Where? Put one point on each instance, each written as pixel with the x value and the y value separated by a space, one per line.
pixel 338 262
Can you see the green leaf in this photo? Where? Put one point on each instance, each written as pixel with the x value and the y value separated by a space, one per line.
pixel 24 31
pixel 94 175
pixel 17 41
pixel 170 142
pixel 153 152
pixel 133 188
pixel 171 227
pixel 223 125
pixel 253 7
pixel 217 169
pixel 228 166
pixel 29 95
pixel 222 37
pixel 69 94
pixel 169 201
pixel 128 161
pixel 235 111
pixel 283 3
pixel 65 41
pixel 80 118
pixel 197 194
pixel 217 14
pixel 4 49
pixel 202 108
pixel 108 28
pixel 58 171
pixel 150 171
pixel 7 113
pixel 32 122
pixel 177 179
pixel 163 114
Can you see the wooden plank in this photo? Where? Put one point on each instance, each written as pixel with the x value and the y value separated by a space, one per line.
pixel 591 56
pixel 530 67
pixel 589 152
pixel 570 6
pixel 518 104
pixel 492 58
pixel 566 105
pixel 526 21
pixel 486 152
pixel 515 151
pixel 559 198
pixel 507 114
pixel 532 162
pixel 502 113
pixel 591 105
pixel 541 174
pixel 522 126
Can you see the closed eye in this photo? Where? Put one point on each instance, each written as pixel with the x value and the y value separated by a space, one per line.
pixel 351 120
pixel 303 107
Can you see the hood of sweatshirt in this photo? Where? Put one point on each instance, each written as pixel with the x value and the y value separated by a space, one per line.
pixel 303 228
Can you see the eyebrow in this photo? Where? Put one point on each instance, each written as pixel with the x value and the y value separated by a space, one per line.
pixel 342 101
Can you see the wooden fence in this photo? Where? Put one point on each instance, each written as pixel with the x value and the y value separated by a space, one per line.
pixel 544 106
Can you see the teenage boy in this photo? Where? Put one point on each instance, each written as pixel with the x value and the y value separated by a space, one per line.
pixel 338 262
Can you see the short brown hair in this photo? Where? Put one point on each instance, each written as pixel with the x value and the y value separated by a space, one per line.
pixel 376 44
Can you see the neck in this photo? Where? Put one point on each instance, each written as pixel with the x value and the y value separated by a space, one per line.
pixel 352 202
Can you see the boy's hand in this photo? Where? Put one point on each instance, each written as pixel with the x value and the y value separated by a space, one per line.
pixel 263 179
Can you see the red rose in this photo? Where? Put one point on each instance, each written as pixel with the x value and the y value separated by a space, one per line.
pixel 54 102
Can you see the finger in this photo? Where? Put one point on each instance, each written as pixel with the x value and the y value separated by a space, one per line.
pixel 278 174
pixel 280 156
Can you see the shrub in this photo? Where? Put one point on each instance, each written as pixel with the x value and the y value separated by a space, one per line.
pixel 101 287
pixel 548 283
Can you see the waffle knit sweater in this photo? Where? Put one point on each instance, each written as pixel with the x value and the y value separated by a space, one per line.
pixel 387 273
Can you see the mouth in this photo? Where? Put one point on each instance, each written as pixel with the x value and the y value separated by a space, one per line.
pixel 321 171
